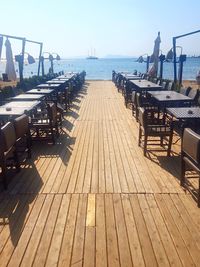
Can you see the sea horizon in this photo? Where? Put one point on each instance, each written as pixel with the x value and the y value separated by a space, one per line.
pixel 101 68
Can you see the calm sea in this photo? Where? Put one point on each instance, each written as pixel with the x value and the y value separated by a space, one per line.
pixel 102 68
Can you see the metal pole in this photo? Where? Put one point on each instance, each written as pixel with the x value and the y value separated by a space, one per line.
pixel 148 58
pixel 182 59
pixel 174 53
pixel 39 63
pixel 162 58
pixel 21 65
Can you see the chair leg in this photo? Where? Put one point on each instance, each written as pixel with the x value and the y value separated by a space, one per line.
pixel 199 195
pixel 17 164
pixel 170 144
pixel 140 135
pixel 145 144
pixel 182 181
pixel 3 166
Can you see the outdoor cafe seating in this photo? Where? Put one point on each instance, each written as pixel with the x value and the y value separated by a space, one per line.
pixel 190 157
pixel 8 152
pixel 45 126
pixel 151 127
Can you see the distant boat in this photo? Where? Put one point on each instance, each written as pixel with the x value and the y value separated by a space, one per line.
pixel 92 55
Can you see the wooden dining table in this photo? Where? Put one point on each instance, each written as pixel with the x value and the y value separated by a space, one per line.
pixel 170 99
pixel 141 85
pixel 42 91
pixel 57 81
pixel 184 113
pixel 17 108
pixel 55 86
pixel 28 97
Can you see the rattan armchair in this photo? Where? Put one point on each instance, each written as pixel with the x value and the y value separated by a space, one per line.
pixel 151 127
pixel 190 156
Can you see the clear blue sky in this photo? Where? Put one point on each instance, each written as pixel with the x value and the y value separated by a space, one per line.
pixel 112 27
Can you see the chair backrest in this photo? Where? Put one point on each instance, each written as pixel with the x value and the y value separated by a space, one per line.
pixel 185 90
pixel 170 86
pixel 194 94
pixel 52 113
pixel 154 80
pixel 142 118
pixel 191 144
pixel 159 81
pixel 21 125
pixel 138 100
pixel 133 96
pixel 7 136
pixel 164 85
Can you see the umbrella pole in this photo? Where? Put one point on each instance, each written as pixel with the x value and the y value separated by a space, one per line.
pixel 148 59
pixel 40 60
pixel 174 51
pixel 21 65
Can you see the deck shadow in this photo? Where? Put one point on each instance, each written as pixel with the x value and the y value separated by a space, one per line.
pixel 170 164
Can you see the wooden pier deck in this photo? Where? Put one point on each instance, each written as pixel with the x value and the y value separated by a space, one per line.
pixel 94 200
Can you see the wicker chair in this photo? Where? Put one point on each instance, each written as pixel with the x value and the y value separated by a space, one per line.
pixel 190 155
pixel 8 150
pixel 23 137
pixel 149 126
pixel 45 127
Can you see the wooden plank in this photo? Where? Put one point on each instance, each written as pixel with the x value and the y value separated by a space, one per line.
pixel 167 241
pixel 102 184
pixel 79 236
pixel 16 226
pixel 45 241
pixel 95 162
pixel 123 243
pixel 68 237
pixel 153 233
pixel 174 232
pixel 37 232
pixel 133 235
pixel 26 234
pixel 53 254
pixel 89 248
pixel 147 249
pixel 101 252
pixel 83 163
pixel 112 244
pixel 91 207
pixel 183 229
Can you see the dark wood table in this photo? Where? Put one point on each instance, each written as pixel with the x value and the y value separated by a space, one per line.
pixel 130 76
pixel 16 108
pixel 56 86
pixel 68 75
pixel 22 104
pixel 62 79
pixel 185 117
pixel 56 82
pixel 170 99
pixel 184 113
pixel 144 85
pixel 28 97
pixel 41 91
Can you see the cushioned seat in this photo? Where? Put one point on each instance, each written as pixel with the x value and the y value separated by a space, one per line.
pixel 8 149
pixel 22 131
pixel 148 128
pixel 190 155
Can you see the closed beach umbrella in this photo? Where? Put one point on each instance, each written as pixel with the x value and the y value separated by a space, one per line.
pixel 155 56
pixel 140 59
pixel 10 68
pixel 1 44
